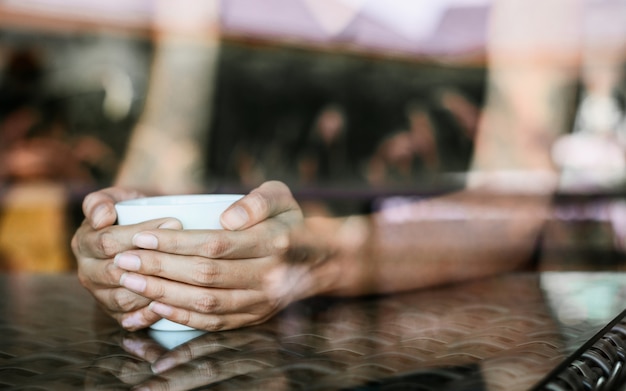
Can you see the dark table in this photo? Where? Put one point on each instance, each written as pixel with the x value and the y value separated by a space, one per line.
pixel 503 333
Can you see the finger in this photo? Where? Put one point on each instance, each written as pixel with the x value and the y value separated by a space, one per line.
pixel 268 200
pixel 199 271
pixel 99 206
pixel 107 242
pixel 272 237
pixel 137 320
pixel 193 298
pixel 125 306
pixel 208 321
pixel 132 321
pixel 98 273
pixel 120 300
pixel 129 309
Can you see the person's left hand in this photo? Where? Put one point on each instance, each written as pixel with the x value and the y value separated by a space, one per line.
pixel 95 244
pixel 225 279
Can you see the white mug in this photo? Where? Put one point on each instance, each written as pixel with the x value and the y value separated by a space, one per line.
pixel 194 211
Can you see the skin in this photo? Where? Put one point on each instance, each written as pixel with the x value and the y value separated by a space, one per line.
pixel 216 280
pixel 261 352
pixel 270 255
pixel 165 152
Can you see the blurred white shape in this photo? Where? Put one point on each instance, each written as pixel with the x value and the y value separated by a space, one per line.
pixel 598 114
pixel 334 15
pixel 589 162
pixel 118 94
pixel 417 20
pixel 172 339
pixel 578 297
pixel 593 157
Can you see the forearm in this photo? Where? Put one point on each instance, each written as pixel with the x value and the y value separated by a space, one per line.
pixel 462 236
pixel 167 150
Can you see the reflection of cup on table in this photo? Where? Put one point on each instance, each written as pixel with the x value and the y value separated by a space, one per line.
pixel 195 211
pixel 170 340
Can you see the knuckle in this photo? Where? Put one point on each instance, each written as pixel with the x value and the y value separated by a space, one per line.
pixel 111 274
pixel 157 292
pixel 157 266
pixel 77 243
pixel 151 263
pixel 205 304
pixel 258 202
pixel 84 280
pixel 172 244
pixel 206 274
pixel 216 247
pixel 183 317
pixel 281 243
pixel 74 245
pixel 107 244
pixel 89 201
pixel 213 323
pixel 274 304
pixel 122 300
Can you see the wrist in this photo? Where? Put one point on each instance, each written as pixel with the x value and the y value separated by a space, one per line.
pixel 342 244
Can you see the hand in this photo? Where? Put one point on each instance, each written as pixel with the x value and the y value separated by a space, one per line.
pixel 225 279
pixel 95 245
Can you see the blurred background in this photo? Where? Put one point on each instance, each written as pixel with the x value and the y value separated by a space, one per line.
pixel 348 101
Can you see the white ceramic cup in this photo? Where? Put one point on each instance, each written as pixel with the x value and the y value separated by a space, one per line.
pixel 195 211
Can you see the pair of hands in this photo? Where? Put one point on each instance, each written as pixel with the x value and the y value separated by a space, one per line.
pixel 206 279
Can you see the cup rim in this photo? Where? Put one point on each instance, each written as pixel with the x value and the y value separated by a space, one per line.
pixel 180 200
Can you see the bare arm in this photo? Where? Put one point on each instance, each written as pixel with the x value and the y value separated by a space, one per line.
pixel 166 152
pixel 269 256
pixel 491 226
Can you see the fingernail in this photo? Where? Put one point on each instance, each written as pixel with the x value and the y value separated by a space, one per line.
pixel 235 218
pixel 99 214
pixel 133 282
pixel 127 261
pixel 160 308
pixel 133 321
pixel 171 224
pixel 147 241
pixel 163 365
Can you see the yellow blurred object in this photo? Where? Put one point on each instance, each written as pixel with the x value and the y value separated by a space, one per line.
pixel 33 229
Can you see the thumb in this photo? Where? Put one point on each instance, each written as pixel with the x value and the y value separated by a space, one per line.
pixel 267 201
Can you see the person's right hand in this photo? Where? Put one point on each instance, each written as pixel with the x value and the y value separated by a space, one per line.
pixel 95 244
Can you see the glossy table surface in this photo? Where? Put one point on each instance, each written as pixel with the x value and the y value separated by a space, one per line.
pixel 503 333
